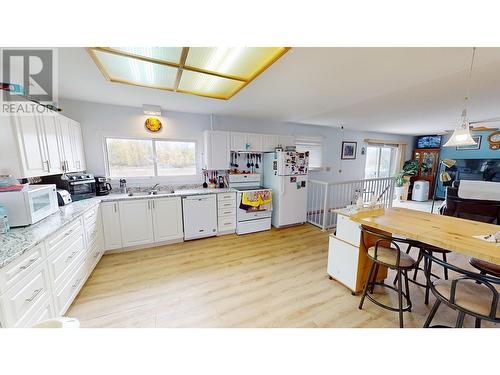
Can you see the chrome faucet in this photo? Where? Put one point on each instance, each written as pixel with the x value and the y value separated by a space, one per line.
pixel 154 190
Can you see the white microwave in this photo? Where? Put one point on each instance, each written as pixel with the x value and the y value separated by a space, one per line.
pixel 30 205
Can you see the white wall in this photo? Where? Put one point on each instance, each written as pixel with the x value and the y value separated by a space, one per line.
pixel 100 120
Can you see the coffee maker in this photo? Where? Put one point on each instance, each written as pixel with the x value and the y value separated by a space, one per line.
pixel 102 186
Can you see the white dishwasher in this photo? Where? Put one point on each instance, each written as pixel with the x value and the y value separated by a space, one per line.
pixel 200 216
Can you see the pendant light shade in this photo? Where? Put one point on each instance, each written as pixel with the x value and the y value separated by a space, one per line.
pixel 461 135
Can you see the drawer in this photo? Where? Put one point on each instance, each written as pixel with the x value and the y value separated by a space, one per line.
pixel 90 215
pixel 227 211
pixel 58 239
pixel 226 223
pixel 343 262
pixel 46 311
pixel 348 230
pixel 22 300
pixel 92 230
pixel 65 295
pixel 226 204
pixel 20 267
pixel 62 261
pixel 226 197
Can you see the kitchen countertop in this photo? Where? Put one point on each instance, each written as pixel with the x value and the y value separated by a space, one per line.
pixel 114 197
pixel 19 240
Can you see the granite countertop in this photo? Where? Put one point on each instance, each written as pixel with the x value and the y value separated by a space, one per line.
pixel 20 240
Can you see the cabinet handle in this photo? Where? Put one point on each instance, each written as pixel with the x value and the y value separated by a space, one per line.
pixel 76 283
pixel 31 261
pixel 68 232
pixel 114 206
pixel 46 162
pixel 71 256
pixel 33 296
pixel 154 205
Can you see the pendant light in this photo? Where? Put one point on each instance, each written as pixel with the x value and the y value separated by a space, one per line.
pixel 461 135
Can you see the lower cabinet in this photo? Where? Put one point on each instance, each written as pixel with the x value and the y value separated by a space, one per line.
pixel 42 283
pixel 136 222
pixel 140 222
pixel 111 225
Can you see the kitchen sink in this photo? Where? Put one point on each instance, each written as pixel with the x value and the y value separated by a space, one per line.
pixel 146 194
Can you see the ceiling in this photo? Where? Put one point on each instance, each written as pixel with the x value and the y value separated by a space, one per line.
pixel 391 90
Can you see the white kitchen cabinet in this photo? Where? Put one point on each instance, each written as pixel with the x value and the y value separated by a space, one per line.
pixel 77 146
pixel 136 222
pixel 254 142
pixel 111 225
pixel 67 148
pixel 238 141
pixel 269 142
pixel 217 150
pixel 286 140
pixel 343 262
pixel 29 131
pixel 53 144
pixel 167 219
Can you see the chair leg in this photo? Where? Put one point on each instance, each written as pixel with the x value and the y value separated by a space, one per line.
pixel 445 269
pixel 460 320
pixel 367 284
pixel 400 298
pixel 407 287
pixel 417 267
pixel 427 286
pixel 432 313
pixel 478 323
pixel 374 279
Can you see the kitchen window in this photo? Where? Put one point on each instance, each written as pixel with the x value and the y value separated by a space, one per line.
pixel 315 147
pixel 150 157
pixel 380 161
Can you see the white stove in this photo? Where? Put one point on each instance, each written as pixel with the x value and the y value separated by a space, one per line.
pixel 247 220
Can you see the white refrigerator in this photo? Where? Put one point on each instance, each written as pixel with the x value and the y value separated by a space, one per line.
pixel 285 172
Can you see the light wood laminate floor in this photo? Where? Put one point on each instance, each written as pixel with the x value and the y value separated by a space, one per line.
pixel 275 278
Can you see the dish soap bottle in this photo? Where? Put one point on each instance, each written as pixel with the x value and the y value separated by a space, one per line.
pixel 4 221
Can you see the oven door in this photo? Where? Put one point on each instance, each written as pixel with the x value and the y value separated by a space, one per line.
pixel 42 203
pixel 243 215
pixel 81 189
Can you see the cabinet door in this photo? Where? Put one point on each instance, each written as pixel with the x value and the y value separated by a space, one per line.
pixel 238 141
pixel 136 222
pixel 52 144
pixel 167 219
pixel 111 225
pixel 286 140
pixel 217 150
pixel 66 136
pixel 31 146
pixel 255 142
pixel 269 142
pixel 77 141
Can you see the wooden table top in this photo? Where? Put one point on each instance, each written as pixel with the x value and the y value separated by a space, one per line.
pixel 442 231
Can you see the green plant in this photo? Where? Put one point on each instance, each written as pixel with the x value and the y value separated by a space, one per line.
pixel 410 168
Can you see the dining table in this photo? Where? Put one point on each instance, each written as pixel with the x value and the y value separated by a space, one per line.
pixel 446 232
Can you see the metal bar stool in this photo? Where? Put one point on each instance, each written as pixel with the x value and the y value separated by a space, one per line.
pixel 427 263
pixel 470 294
pixel 387 252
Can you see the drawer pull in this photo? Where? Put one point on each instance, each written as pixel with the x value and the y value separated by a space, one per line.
pixel 71 256
pixel 96 254
pixel 76 283
pixel 31 261
pixel 35 293
pixel 227 223
pixel 68 232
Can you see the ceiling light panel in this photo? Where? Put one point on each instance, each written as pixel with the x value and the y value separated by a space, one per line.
pixel 242 62
pixel 134 71
pixel 167 54
pixel 208 85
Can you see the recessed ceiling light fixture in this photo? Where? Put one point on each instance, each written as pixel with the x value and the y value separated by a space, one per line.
pixel 152 110
pixel 461 135
pixel 214 72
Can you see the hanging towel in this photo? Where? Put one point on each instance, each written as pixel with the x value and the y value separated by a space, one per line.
pixel 251 198
pixel 266 196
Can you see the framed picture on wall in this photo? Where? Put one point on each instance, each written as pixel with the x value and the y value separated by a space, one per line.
pixel 477 146
pixel 349 150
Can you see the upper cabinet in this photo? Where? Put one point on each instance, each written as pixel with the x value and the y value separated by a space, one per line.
pixel 286 140
pixel 40 144
pixel 217 150
pixel 254 142
pixel 238 141
pixel 269 142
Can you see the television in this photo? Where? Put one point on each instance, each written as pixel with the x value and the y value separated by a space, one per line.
pixel 429 141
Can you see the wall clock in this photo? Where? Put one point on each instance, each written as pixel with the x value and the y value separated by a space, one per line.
pixel 153 124
pixel 494 140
